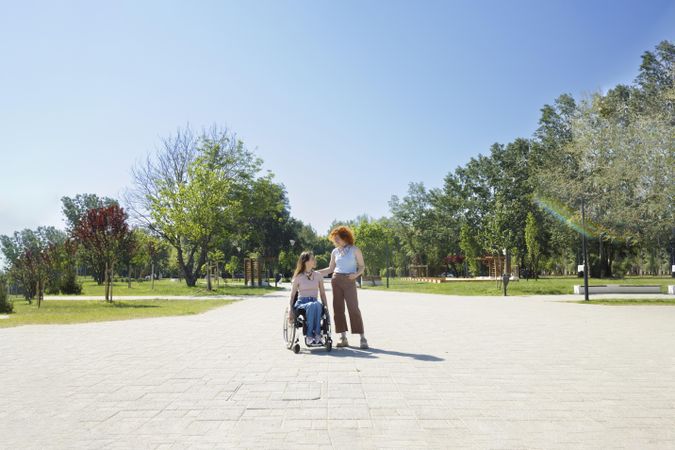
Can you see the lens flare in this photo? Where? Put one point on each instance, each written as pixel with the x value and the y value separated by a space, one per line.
pixel 566 216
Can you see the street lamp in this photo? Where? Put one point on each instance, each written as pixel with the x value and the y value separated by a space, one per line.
pixel 387 242
pixel 234 277
pixel 583 247
pixel 505 276
pixel 292 241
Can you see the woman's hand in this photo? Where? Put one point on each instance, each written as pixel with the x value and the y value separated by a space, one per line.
pixel 353 276
pixel 290 317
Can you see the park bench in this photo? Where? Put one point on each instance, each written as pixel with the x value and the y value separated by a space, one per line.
pixel 618 289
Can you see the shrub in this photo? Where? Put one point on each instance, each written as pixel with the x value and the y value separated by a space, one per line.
pixel 6 305
pixel 52 289
pixel 70 285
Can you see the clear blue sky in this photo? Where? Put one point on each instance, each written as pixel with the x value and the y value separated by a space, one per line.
pixel 373 93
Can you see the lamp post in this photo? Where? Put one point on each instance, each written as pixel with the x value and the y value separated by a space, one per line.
pixel 583 247
pixel 234 277
pixel 672 252
pixel 387 264
pixel 505 275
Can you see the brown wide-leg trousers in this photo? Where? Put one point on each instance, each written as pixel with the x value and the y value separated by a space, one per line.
pixel 344 291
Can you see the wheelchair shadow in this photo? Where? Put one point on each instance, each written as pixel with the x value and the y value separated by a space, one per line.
pixel 372 353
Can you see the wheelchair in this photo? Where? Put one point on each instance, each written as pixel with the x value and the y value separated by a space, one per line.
pixel 292 336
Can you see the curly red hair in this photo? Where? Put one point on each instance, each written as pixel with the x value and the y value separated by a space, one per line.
pixel 345 233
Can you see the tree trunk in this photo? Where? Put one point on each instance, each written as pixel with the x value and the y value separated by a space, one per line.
pixel 190 276
pixel 191 280
pixel 152 275
pixel 98 271
pixel 602 259
pixel 110 280
pixel 105 281
pixel 187 268
pixel 209 287
pixel 181 263
pixel 129 275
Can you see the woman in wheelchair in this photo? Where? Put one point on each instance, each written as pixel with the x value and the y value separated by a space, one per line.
pixel 307 284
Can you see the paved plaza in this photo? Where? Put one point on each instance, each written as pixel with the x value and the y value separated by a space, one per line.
pixel 443 372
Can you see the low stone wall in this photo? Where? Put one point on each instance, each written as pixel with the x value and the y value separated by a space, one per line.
pixel 618 289
pixel 425 279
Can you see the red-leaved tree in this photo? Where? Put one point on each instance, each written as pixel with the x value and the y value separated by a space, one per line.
pixel 34 264
pixel 103 232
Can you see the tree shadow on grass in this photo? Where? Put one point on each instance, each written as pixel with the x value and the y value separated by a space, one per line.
pixel 133 305
pixel 349 352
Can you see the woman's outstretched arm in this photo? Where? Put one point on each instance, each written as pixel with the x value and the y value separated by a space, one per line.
pixel 294 289
pixel 322 292
pixel 331 266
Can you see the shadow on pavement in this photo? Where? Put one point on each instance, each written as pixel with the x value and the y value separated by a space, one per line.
pixel 370 353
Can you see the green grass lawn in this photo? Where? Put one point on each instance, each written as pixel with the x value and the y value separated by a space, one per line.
pixel 77 311
pixel 168 287
pixel 543 286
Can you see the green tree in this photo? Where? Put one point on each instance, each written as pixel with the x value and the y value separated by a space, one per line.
pixel 193 192
pixel 532 236
pixel 266 226
pixel 425 235
pixel 622 167
pixel 375 240
pixel 75 208
pixel 151 256
pixel 470 248
pixel 232 266
pixel 33 258
pixel 6 305
pixel 287 260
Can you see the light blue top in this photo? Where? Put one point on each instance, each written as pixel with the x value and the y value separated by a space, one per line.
pixel 345 259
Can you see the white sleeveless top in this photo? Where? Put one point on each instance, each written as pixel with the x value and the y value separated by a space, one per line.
pixel 308 287
pixel 345 259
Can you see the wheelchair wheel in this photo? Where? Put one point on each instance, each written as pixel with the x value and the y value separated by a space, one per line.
pixel 296 348
pixel 288 331
pixel 329 345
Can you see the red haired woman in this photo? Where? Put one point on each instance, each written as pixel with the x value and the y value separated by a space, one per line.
pixel 346 265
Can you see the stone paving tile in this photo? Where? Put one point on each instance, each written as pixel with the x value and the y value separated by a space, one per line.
pixel 444 372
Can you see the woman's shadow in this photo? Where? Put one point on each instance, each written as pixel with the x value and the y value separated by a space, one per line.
pixel 370 353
